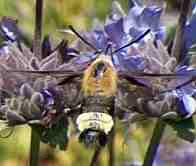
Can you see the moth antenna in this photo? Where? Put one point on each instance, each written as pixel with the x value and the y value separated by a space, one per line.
pixel 133 41
pixel 83 39
pixel 108 50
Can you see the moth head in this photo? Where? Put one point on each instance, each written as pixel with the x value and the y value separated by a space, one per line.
pixel 100 78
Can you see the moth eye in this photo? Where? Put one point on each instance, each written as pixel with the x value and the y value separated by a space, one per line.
pixel 99 70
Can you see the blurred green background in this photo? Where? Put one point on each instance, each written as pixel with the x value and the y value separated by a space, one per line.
pixel 130 143
pixel 57 14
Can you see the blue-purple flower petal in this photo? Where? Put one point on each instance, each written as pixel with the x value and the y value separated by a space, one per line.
pixel 187 105
pixel 141 18
pixel 48 98
pixel 115 31
pixel 190 30
pixel 9 29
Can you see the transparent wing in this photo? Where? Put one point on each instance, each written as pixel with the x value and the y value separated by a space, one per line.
pixel 62 76
pixel 163 82
pixel 169 95
pixel 169 80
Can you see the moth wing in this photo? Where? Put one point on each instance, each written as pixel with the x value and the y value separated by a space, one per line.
pixel 161 82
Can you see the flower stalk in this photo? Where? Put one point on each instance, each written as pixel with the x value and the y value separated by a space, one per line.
pixel 35 137
pixel 35 147
pixel 95 158
pixel 154 143
pixel 111 147
pixel 38 28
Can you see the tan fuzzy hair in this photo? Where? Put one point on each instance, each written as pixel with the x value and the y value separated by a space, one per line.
pixel 107 86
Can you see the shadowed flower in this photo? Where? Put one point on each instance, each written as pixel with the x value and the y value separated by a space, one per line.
pixel 178 154
pixel 35 99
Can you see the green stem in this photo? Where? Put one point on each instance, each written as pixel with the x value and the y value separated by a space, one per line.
pixel 154 143
pixel 35 138
pixel 35 147
pixel 38 28
pixel 111 147
pixel 95 158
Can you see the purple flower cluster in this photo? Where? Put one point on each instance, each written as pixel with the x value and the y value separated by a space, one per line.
pixel 147 55
pixel 179 154
pixel 38 99
pixel 120 29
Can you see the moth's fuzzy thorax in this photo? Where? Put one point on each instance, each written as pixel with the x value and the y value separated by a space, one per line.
pixel 106 85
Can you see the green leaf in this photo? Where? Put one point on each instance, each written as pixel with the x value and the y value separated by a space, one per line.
pixel 185 129
pixel 57 134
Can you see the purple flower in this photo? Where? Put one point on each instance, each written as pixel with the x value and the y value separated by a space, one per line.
pixel 120 29
pixel 48 97
pixel 141 18
pixel 186 102
pixel 9 29
pixel 4 51
pixel 115 31
pixel 178 153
